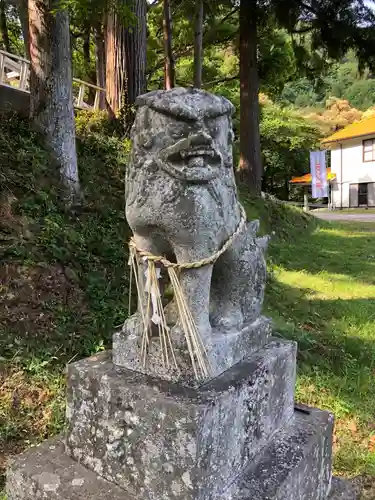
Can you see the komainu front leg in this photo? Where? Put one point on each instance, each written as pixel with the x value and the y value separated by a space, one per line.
pixel 195 284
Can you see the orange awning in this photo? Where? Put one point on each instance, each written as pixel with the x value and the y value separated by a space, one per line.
pixel 307 178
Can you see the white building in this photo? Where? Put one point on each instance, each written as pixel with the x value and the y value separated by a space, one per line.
pixel 353 163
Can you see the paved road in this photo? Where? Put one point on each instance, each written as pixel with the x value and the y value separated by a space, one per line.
pixel 353 217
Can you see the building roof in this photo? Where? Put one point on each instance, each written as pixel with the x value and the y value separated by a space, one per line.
pixel 358 129
pixel 307 178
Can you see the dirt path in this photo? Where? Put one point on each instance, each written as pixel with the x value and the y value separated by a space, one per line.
pixel 344 216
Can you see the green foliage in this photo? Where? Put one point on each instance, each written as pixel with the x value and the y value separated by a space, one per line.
pixel 277 61
pixel 301 93
pixel 96 122
pixel 89 243
pixel 343 80
pixel 278 219
pixel 361 94
pixel 14 30
pixel 64 278
pixel 286 138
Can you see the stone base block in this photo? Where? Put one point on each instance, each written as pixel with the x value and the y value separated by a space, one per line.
pixel 47 473
pixel 162 441
pixel 224 350
pixel 295 466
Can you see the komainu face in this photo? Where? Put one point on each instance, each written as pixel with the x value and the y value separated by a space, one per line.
pixel 187 134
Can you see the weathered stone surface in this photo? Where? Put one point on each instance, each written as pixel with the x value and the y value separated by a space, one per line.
pixel 343 490
pixel 296 465
pixel 160 441
pixel 223 351
pixel 181 202
pixel 47 473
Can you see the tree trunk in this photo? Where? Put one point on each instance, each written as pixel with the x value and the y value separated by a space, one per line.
pixel 51 100
pixel 250 156
pixel 90 75
pixel 24 20
pixel 113 77
pixel 198 44
pixel 126 58
pixel 169 68
pixel 100 63
pixel 4 27
pixel 86 49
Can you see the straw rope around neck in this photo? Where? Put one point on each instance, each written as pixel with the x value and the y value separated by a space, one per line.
pixel 150 298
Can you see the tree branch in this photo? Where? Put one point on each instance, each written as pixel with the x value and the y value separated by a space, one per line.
pixel 222 80
pixel 187 51
pixel 300 31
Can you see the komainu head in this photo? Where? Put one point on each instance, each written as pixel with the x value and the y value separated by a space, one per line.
pixel 186 132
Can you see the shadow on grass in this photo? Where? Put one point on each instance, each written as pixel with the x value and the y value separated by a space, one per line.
pixel 332 249
pixel 336 346
pixel 334 329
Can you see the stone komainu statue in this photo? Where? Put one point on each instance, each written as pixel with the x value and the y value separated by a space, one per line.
pixel 181 202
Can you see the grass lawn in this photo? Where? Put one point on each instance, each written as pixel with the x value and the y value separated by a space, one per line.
pixel 322 294
pixel 63 290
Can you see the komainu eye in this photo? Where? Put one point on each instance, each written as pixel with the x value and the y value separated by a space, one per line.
pixel 145 140
pixel 177 130
pixel 214 130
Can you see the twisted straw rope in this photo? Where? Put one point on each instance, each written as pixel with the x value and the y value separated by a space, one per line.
pixel 192 265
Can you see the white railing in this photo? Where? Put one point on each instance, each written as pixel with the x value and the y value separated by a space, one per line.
pixel 15 72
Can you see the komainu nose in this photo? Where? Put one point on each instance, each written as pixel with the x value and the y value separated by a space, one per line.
pixel 201 139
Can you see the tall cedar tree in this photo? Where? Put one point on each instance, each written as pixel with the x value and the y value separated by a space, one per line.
pixel 250 156
pixel 198 44
pixel 51 82
pixel 126 50
pixel 169 63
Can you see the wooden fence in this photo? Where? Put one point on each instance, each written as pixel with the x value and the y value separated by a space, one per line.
pixel 15 72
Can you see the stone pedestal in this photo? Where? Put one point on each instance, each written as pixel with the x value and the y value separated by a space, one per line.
pixel 133 436
pixel 158 440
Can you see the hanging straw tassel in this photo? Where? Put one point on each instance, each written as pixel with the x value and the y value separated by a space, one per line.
pixel 149 296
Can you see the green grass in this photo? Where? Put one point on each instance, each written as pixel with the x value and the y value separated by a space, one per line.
pixel 322 294
pixel 63 290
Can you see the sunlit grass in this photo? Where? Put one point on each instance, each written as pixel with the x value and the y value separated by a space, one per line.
pixel 322 294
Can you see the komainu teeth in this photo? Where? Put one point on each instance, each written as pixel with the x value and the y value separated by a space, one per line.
pixel 196 152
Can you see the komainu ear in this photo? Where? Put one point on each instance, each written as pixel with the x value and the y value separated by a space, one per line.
pixel 263 243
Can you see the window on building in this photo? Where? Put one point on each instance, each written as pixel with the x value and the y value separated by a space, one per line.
pixel 363 194
pixel 369 150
